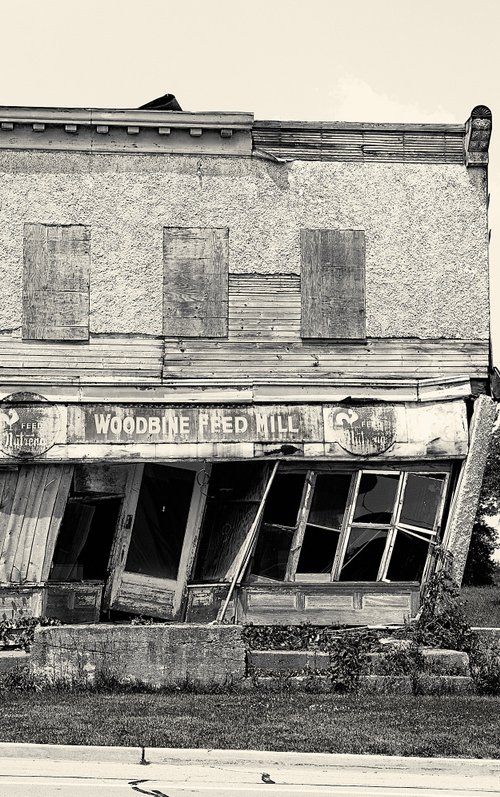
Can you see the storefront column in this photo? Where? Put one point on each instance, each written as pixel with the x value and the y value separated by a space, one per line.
pixel 464 506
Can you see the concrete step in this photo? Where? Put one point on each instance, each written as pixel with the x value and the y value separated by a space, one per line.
pixel 282 662
pixel 368 684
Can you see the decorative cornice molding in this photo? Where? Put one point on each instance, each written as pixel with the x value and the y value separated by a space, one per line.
pixel 477 136
pixel 138 131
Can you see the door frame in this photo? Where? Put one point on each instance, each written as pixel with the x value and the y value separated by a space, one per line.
pixel 123 536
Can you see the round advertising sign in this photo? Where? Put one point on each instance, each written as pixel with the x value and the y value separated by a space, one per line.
pixel 364 430
pixel 29 424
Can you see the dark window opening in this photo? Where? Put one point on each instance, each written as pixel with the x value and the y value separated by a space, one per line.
pixel 319 525
pixel 421 500
pixel 330 499
pixel 234 495
pixel 408 558
pixel 376 496
pixel 160 521
pixel 85 538
pixel 322 532
pixel 284 499
pixel 272 552
pixel 278 526
pixel 364 554
pixel 318 550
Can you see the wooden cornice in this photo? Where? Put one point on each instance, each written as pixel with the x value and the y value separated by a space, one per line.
pixel 139 131
pixel 142 131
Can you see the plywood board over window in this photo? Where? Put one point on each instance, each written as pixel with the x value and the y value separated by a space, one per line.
pixel 195 282
pixel 333 284
pixel 56 282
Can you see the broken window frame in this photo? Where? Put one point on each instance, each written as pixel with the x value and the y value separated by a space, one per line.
pixel 348 523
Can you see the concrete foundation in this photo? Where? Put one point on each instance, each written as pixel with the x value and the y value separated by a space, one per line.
pixel 155 655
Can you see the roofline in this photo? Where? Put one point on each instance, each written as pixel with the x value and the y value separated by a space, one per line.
pixel 391 127
pixel 144 131
pixel 124 116
pixel 151 118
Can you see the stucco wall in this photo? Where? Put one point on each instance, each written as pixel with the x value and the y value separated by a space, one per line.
pixel 426 230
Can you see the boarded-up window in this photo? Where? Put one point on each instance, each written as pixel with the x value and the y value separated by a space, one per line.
pixel 195 282
pixel 333 284
pixel 56 282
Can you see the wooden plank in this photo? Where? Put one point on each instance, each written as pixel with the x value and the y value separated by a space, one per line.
pixel 56 282
pixel 246 359
pixel 21 561
pixel 51 516
pixel 144 595
pixel 15 522
pixel 8 480
pixel 195 281
pixel 328 604
pixel 33 561
pixel 264 305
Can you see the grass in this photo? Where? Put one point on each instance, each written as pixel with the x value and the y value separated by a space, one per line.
pixel 458 725
pixel 483 604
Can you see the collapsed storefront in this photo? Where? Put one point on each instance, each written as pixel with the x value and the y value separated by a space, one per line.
pixel 244 365
pixel 320 513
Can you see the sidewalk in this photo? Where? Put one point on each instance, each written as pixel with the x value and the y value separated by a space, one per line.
pixel 206 768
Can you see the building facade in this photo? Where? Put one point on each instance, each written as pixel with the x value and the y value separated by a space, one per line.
pixel 244 366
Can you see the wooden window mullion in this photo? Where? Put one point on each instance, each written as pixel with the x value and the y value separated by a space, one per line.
pixel 391 537
pixel 346 525
pixel 298 537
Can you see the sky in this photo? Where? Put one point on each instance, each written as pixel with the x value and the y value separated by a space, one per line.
pixel 384 61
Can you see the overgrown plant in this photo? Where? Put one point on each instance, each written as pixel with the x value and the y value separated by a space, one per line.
pixel 348 659
pixel 348 648
pixel 20 632
pixel 442 622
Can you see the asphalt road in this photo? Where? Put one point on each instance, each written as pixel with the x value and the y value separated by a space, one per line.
pixel 49 771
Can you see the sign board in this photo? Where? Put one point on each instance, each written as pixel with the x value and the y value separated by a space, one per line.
pixel 411 430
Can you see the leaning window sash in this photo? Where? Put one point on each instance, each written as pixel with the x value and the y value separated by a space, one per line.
pixel 429 536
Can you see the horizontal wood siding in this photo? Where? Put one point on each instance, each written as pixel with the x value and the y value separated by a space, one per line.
pixel 264 306
pixel 195 281
pixel 56 286
pixel 251 359
pixel 152 361
pixel 328 142
pixel 103 360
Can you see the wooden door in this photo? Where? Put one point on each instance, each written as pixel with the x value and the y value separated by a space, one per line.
pixel 155 539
